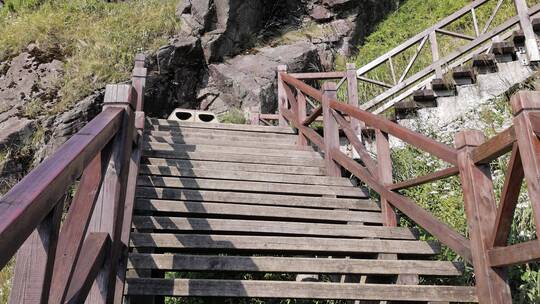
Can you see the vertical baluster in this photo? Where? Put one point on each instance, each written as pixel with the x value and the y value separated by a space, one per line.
pixel 435 54
pixel 331 129
pixel 301 111
pixel 531 44
pixel 524 104
pixel 282 95
pixel 352 92
pixel 34 261
pixel 109 211
pixel 385 175
pixel 480 208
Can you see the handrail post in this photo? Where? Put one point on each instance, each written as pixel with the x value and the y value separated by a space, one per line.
pixel 282 95
pixel 330 128
pixel 301 112
pixel 525 23
pixel 435 53
pixel 384 167
pixel 480 208
pixel 524 104
pixel 108 214
pixel 352 92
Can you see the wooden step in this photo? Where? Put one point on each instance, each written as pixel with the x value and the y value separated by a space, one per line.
pixel 216 132
pixel 289 140
pixel 256 199
pixel 231 226
pixel 244 176
pixel 179 262
pixel 298 290
pixel 247 186
pixel 235 166
pixel 251 211
pixel 209 148
pixel 280 244
pixel 220 126
pixel 227 143
pixel 233 157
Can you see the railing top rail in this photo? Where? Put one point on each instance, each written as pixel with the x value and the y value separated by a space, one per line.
pixel 418 37
pixel 28 202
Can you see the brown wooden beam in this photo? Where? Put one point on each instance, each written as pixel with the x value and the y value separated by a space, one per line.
pixel 509 198
pixel 331 129
pixel 480 208
pixel 307 89
pixel 494 147
pixel 319 75
pixel 93 254
pixel 517 254
pixel 313 116
pixel 421 217
pixel 453 171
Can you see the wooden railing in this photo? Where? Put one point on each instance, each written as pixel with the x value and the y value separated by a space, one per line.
pixel 488 225
pixel 403 85
pixel 81 256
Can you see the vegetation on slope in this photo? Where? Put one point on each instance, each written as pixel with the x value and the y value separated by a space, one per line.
pixel 96 39
pixel 413 17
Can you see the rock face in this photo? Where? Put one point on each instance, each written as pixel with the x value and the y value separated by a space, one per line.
pixel 249 82
pixel 175 74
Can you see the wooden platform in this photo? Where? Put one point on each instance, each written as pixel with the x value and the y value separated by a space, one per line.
pixel 234 211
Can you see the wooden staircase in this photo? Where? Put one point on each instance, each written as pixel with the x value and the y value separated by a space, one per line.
pixel 239 211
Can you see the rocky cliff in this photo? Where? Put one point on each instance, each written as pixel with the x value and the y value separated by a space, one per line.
pixel 224 57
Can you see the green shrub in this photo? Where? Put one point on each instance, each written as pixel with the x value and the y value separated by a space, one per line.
pixel 233 116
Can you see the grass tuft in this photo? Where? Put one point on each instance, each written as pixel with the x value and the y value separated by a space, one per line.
pixel 97 40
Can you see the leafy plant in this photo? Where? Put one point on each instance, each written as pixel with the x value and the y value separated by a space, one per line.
pixel 233 116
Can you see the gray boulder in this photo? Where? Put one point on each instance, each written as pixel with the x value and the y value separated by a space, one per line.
pixel 249 81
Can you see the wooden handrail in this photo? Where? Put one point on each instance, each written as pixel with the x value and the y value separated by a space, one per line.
pixel 489 224
pixel 66 260
pixel 28 202
pixel 418 140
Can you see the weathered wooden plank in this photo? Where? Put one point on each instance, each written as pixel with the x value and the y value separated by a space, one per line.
pixel 224 137
pixel 93 251
pixel 300 290
pixel 206 225
pixel 233 157
pixel 247 186
pixel 225 142
pixel 178 262
pixel 384 164
pixel 244 176
pixel 210 147
pixel 218 132
pixel 234 166
pixel 248 211
pixel 280 244
pixel 220 126
pixel 257 198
